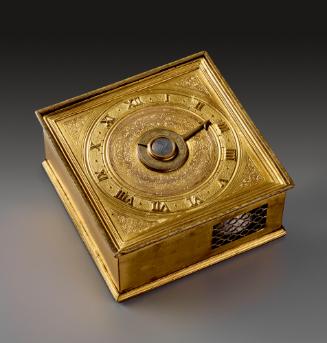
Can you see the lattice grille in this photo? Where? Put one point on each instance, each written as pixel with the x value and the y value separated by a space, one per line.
pixel 242 225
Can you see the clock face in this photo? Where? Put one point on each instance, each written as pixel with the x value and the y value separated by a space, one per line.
pixel 161 152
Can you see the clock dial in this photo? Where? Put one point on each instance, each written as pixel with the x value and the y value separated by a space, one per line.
pixel 161 152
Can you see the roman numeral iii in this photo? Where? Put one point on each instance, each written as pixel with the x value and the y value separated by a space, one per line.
pixel 223 126
pixel 231 154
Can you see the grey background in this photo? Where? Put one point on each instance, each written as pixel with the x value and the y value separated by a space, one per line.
pixel 50 289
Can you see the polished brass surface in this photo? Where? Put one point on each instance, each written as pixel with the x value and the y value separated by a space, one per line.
pixel 150 167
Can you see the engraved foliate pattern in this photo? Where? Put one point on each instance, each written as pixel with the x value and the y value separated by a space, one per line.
pixel 251 176
pixel 74 126
pixel 74 129
pixel 191 82
pixel 131 225
pixel 248 177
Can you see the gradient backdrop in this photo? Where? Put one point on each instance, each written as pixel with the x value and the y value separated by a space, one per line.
pixel 50 289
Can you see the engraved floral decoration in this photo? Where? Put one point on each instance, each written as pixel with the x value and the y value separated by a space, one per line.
pixel 132 225
pixel 252 176
pixel 191 82
pixel 74 127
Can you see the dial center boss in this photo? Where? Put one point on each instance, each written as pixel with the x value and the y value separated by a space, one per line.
pixel 164 150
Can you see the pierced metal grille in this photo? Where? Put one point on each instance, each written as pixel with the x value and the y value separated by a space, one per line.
pixel 242 225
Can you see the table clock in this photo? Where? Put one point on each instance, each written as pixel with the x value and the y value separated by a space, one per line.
pixel 163 174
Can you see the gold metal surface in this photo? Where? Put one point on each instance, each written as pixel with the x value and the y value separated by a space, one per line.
pixel 147 208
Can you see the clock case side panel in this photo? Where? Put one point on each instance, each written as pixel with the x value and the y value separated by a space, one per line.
pixel 179 255
pixel 86 222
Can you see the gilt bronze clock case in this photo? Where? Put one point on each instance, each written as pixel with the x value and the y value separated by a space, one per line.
pixel 163 174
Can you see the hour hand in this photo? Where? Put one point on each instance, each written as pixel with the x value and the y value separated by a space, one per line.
pixel 194 131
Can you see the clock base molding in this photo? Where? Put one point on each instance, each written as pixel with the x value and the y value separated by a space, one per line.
pixel 88 240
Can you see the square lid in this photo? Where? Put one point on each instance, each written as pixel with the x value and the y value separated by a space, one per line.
pixel 257 173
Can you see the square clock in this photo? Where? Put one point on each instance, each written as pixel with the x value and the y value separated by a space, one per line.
pixel 163 174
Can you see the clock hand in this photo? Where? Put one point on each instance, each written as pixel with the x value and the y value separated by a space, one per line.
pixel 204 125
